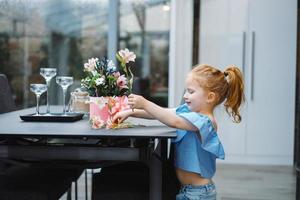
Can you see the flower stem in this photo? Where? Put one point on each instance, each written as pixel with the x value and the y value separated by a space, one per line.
pixel 130 81
pixel 96 91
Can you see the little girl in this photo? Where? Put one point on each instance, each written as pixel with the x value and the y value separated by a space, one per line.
pixel 197 144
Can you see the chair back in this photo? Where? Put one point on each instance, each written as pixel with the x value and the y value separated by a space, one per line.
pixel 6 101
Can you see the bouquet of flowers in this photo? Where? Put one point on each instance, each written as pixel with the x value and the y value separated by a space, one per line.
pixel 108 87
pixel 104 79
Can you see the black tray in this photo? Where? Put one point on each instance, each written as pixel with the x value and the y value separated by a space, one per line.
pixel 53 117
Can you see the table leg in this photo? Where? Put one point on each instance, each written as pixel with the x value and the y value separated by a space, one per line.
pixel 298 183
pixel 69 193
pixel 155 190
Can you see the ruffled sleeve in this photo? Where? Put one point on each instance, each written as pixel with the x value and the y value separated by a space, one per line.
pixel 180 133
pixel 209 138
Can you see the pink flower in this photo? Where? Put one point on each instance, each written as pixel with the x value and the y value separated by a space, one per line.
pixel 116 74
pixel 121 103
pixel 97 122
pixel 127 55
pixel 122 82
pixel 110 124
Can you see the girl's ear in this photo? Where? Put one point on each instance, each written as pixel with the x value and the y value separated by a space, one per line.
pixel 211 97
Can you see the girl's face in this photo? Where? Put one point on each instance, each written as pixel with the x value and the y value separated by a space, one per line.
pixel 195 96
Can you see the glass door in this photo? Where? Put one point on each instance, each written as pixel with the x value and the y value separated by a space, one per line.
pixel 64 34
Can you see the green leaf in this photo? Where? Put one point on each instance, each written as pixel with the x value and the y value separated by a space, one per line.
pixel 119 58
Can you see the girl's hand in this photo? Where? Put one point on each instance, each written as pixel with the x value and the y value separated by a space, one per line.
pixel 119 117
pixel 136 101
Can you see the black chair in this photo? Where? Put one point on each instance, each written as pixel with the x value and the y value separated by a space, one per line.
pixel 37 183
pixel 127 180
pixel 6 101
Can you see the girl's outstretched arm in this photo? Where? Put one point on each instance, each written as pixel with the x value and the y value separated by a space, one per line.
pixel 166 116
pixel 123 115
pixel 139 113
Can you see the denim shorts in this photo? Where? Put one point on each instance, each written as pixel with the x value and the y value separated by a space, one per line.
pixel 197 192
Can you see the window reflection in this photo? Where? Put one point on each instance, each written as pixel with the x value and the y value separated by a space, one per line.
pixel 47 33
pixel 64 34
pixel 144 29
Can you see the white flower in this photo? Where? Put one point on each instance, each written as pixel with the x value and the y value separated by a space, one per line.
pixel 127 55
pixel 99 81
pixel 91 64
pixel 94 72
pixel 110 64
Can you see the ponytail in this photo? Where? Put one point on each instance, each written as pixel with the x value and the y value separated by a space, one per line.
pixel 228 85
pixel 235 93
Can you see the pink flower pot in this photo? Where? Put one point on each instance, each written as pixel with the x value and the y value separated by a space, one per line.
pixel 99 108
pixel 105 107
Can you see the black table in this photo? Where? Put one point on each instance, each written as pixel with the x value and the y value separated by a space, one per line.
pixel 75 143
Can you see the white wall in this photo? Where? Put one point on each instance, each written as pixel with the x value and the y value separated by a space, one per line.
pixel 181 38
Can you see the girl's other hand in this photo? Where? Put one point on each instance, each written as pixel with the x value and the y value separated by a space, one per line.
pixel 136 101
pixel 119 117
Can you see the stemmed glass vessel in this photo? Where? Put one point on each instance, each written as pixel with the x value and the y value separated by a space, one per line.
pixel 38 90
pixel 64 82
pixel 48 74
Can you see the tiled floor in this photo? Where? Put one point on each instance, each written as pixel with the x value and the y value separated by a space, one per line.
pixel 81 187
pixel 245 182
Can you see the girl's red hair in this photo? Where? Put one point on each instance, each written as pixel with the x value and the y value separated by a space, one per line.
pixel 228 86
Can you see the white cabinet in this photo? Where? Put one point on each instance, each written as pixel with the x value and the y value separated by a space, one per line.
pixel 260 37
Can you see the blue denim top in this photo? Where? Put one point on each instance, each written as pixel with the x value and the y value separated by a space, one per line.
pixel 197 151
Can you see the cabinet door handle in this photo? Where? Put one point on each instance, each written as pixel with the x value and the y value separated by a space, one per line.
pixel 244 52
pixel 252 60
